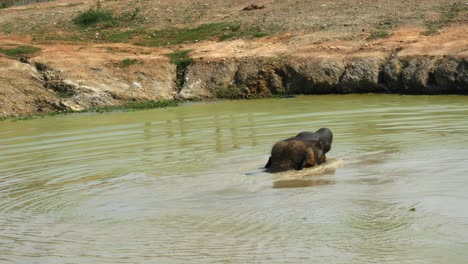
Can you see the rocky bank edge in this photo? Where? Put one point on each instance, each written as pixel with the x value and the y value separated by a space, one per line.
pixel 32 86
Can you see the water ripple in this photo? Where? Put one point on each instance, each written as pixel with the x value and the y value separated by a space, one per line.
pixel 170 186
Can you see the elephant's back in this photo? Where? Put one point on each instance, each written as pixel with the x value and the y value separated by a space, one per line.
pixel 288 147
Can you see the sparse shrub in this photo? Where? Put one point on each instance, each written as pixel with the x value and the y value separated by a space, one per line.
pixel 127 62
pixel 93 16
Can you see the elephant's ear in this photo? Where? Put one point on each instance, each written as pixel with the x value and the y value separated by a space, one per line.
pixel 268 165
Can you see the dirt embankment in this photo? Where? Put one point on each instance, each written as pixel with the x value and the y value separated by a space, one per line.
pixel 76 76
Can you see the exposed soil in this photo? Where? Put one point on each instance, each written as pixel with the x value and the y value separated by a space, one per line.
pixel 66 75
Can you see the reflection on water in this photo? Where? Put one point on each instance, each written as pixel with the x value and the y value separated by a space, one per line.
pixel 172 185
pixel 298 183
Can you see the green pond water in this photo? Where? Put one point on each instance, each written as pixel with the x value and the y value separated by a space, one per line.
pixel 170 185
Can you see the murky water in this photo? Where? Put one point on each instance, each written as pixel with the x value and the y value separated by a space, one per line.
pixel 169 185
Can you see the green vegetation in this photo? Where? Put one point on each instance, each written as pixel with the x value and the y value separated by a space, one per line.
pixel 182 61
pixel 63 90
pixel 382 29
pixel 121 36
pixel 65 93
pixel 172 36
pixel 93 17
pixel 97 15
pixel 56 37
pixel 377 34
pixel 432 27
pixel 22 118
pixel 19 50
pixel 210 31
pixel 109 26
pixel 412 209
pixel 180 57
pixel 146 105
pixel 127 62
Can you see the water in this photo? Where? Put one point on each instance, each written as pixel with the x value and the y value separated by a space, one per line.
pixel 170 185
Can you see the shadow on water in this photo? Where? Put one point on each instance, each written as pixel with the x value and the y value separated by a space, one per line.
pixel 301 183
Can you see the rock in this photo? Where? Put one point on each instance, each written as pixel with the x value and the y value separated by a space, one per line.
pixel 445 74
pixel 257 77
pixel 416 75
pixel 253 7
pixel 24 59
pixel 275 82
pixel 391 75
pixel 203 78
pixel 316 76
pixel 326 73
pixel 136 85
pixel 462 78
pixel 361 75
pixel 22 90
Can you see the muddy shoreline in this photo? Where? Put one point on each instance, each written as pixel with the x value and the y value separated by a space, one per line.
pixel 46 87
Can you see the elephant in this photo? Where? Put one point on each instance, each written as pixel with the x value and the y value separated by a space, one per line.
pixel 306 149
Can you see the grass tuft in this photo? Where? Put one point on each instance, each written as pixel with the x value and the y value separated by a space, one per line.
pixel 121 36
pixel 127 62
pixel 18 51
pixel 378 34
